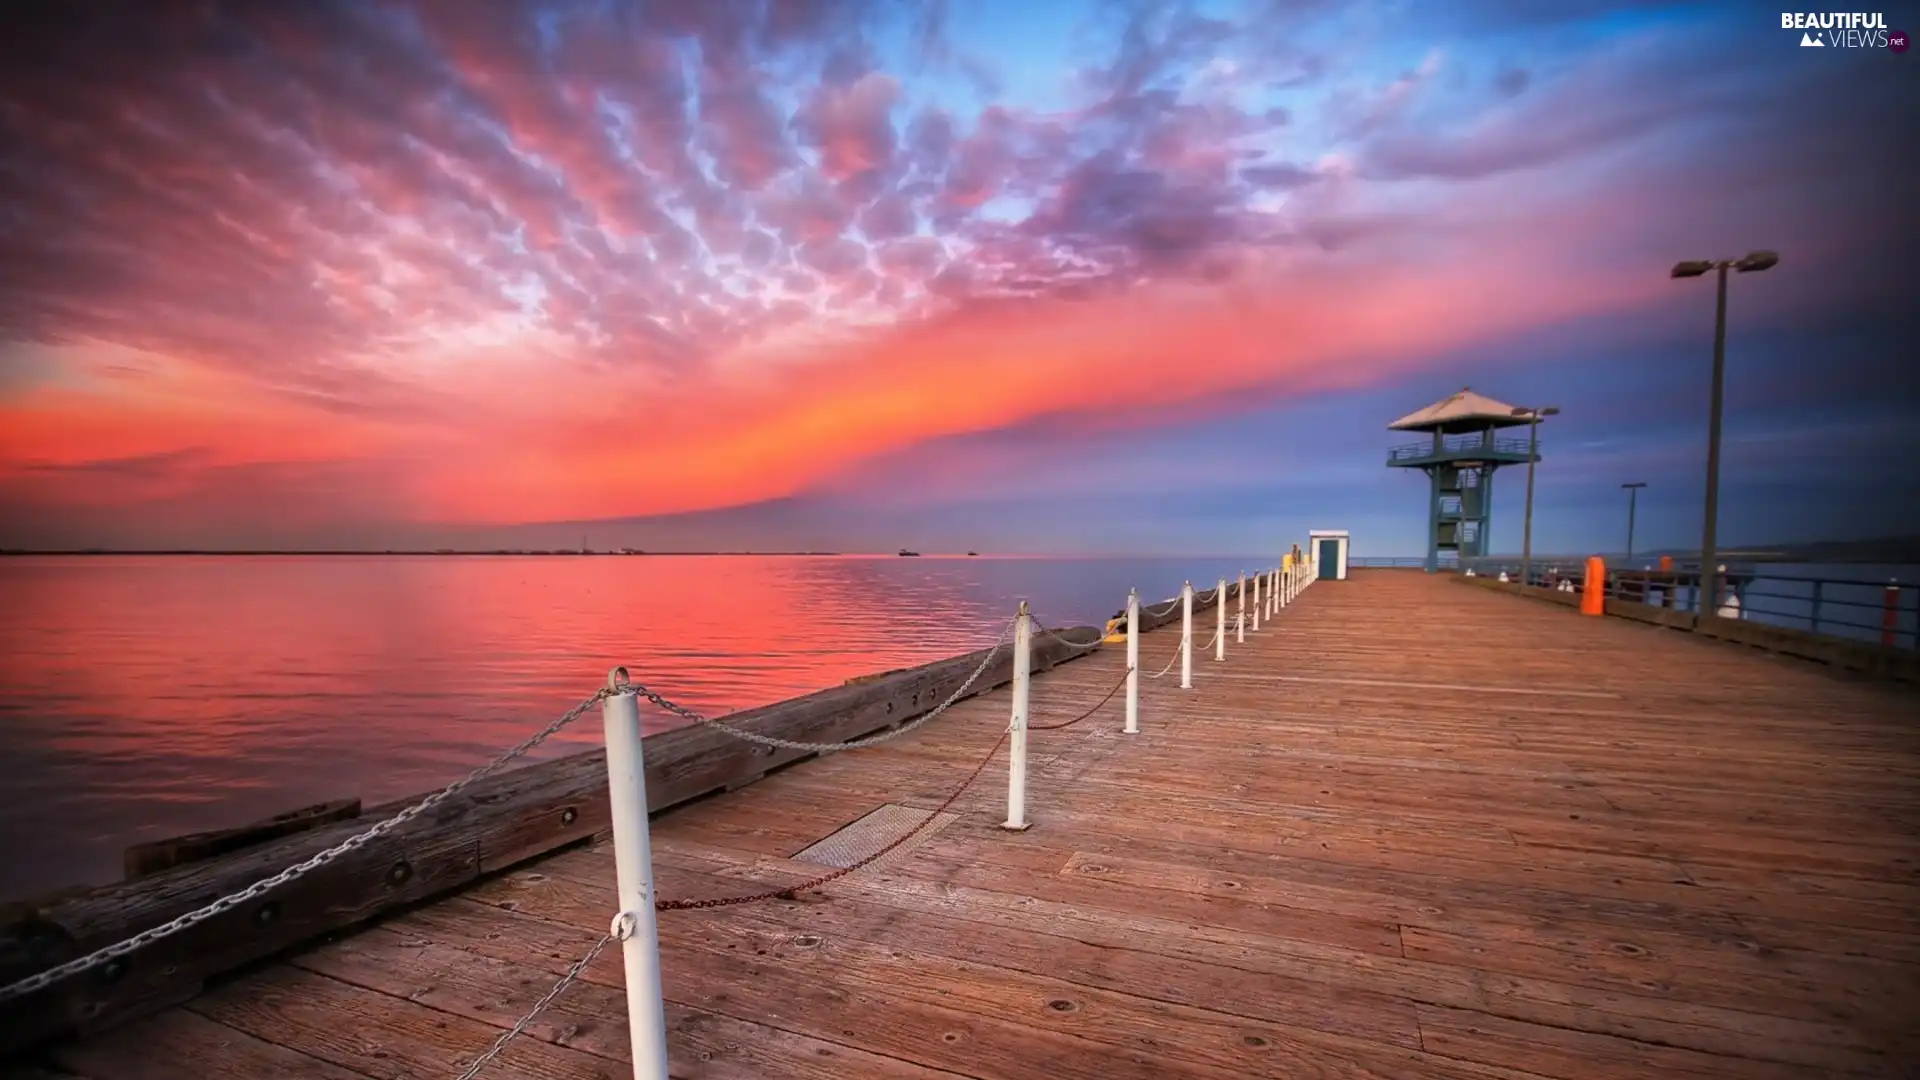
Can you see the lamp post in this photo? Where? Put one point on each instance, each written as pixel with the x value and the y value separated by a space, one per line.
pixel 1532 417
pixel 1709 591
pixel 1633 496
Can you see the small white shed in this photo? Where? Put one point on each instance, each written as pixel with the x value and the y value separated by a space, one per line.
pixel 1328 547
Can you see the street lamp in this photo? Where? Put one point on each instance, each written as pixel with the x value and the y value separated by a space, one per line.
pixel 1633 496
pixel 1532 417
pixel 1754 261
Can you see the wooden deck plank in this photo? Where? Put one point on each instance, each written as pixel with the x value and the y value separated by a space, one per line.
pixel 1583 848
pixel 400 961
pixel 1004 943
pixel 796 989
pixel 183 1045
pixel 987 1041
pixel 1544 1000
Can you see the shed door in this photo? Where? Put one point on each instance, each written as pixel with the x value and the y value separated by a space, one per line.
pixel 1330 558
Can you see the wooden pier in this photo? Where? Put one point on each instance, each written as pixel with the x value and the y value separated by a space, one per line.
pixel 1408 829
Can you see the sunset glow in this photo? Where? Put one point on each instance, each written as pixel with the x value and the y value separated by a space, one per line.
pixel 363 275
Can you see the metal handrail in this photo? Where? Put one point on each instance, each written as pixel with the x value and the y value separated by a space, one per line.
pixel 1680 589
pixel 1455 444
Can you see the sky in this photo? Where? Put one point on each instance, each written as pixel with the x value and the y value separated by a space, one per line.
pixel 1064 277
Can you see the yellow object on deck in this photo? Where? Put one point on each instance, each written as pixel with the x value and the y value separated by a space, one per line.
pixel 1116 630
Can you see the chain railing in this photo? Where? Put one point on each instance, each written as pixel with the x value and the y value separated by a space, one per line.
pixel 625 922
pixel 44 979
pixel 623 927
pixel 685 713
pixel 1171 660
pixel 1097 706
pixel 1023 627
pixel 791 892
pixel 1098 637
pixel 634 925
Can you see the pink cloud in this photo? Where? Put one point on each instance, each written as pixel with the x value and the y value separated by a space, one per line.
pixel 852 126
pixel 500 273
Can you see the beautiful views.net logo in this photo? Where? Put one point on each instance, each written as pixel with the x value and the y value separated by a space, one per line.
pixel 1844 30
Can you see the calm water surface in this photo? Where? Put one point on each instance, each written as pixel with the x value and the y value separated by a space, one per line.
pixel 146 697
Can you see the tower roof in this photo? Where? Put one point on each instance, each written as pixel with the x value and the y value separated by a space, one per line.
pixel 1463 411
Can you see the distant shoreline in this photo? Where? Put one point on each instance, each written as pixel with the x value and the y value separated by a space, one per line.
pixel 1892 551
pixel 449 553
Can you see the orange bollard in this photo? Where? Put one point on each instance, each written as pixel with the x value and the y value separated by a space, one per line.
pixel 1666 564
pixel 1593 594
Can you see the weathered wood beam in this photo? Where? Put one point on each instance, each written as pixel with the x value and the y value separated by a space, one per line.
pixel 501 820
pixel 157 855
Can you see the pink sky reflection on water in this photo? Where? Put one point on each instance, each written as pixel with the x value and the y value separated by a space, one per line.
pixel 145 697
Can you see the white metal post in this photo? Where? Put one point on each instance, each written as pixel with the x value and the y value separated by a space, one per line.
pixel 1017 742
pixel 1220 620
pixel 633 870
pixel 1133 661
pixel 1273 592
pixel 1280 596
pixel 1240 623
pixel 1186 636
pixel 1256 600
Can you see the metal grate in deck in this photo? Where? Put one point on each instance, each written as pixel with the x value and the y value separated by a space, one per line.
pixel 871 832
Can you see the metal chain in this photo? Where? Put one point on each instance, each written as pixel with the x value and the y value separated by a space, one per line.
pixel 1171 660
pixel 1096 708
pixel 1170 606
pixel 827 748
pixel 520 1025
pixel 1055 635
pixel 44 979
pixel 791 892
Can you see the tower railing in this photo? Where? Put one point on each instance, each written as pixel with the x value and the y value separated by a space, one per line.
pixel 1457 444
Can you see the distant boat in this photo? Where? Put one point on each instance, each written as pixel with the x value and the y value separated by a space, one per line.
pixel 973 553
pixel 904 553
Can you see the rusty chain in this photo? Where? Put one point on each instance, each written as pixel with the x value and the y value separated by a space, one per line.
pixel 1096 708
pixel 1171 660
pixel 791 892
